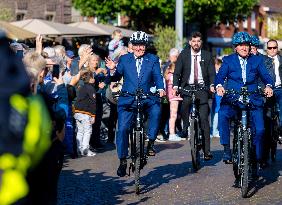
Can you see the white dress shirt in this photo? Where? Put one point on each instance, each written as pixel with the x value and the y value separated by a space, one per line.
pixel 276 70
pixel 243 63
pixel 200 76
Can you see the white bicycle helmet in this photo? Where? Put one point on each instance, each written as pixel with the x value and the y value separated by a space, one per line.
pixel 139 37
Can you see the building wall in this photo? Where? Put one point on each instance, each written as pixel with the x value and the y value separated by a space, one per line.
pixel 55 10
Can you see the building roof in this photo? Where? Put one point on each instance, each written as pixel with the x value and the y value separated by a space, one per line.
pixel 274 6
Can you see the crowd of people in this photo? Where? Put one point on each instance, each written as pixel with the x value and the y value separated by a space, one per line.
pixel 74 89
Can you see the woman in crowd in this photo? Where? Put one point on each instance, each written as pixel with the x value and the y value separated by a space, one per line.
pixel 173 101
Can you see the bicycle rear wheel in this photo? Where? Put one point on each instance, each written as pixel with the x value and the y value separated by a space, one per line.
pixel 245 164
pixel 194 136
pixel 137 162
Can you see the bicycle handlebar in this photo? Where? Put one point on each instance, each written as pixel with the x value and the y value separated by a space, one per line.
pixel 192 88
pixel 244 95
pixel 139 93
pixel 244 92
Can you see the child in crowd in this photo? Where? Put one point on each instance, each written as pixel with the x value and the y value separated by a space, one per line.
pixel 216 104
pixel 85 111
pixel 115 43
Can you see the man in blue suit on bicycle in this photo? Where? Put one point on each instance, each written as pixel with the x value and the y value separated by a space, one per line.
pixel 139 70
pixel 242 69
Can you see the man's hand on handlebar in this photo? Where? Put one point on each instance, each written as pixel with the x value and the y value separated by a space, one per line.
pixel 220 90
pixel 268 91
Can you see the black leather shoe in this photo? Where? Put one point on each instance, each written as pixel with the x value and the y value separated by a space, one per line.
pixel 208 156
pixel 227 154
pixel 150 148
pixel 236 183
pixel 227 161
pixel 121 172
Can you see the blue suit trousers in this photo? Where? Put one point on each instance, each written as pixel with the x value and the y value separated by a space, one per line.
pixel 227 112
pixel 126 117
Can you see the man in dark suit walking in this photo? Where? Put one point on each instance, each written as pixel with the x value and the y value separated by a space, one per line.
pixel 196 66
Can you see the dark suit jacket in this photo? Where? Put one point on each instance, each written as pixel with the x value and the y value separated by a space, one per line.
pixel 183 68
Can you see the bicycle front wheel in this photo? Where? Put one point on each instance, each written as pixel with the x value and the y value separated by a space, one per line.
pixel 194 136
pixel 246 163
pixel 235 152
pixel 137 162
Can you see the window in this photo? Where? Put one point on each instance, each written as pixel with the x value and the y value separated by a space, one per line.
pixel 20 16
pixel 49 17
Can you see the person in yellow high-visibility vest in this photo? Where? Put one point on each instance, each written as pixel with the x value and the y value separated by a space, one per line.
pixel 25 127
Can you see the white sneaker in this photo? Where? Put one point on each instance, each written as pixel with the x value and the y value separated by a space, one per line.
pixel 88 153
pixel 160 139
pixel 174 138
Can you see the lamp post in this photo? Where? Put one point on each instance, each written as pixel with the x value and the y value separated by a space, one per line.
pixel 179 23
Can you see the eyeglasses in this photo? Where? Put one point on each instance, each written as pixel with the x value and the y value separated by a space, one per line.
pixel 269 48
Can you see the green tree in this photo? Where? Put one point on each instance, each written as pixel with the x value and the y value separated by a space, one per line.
pixel 5 14
pixel 164 41
pixel 145 14
pixel 209 12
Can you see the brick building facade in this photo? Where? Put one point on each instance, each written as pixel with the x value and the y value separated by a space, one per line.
pixel 52 10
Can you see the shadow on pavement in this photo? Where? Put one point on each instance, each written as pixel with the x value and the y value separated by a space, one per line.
pixel 268 175
pixel 85 187
pixel 164 174
pixel 168 145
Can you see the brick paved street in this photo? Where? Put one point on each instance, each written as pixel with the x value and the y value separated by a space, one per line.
pixel 167 179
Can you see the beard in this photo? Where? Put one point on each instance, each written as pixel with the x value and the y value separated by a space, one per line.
pixel 196 48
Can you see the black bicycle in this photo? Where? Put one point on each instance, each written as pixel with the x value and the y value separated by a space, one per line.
pixel 274 134
pixel 194 129
pixel 137 154
pixel 243 155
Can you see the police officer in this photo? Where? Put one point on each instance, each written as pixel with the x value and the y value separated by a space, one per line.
pixel 139 70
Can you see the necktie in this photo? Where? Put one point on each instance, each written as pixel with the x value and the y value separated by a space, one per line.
pixel 138 65
pixel 244 67
pixel 195 70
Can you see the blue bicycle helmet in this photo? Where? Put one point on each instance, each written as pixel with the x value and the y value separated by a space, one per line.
pixel 255 41
pixel 240 38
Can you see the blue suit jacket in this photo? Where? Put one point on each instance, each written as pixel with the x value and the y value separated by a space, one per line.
pixel 150 75
pixel 230 75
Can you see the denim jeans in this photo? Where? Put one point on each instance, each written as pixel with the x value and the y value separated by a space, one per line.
pixel 215 131
pixel 84 130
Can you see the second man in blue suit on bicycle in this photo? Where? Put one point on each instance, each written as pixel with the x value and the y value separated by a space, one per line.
pixel 238 70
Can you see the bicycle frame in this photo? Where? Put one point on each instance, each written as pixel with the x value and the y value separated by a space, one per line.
pixel 138 127
pixel 194 130
pixel 242 144
pixel 137 139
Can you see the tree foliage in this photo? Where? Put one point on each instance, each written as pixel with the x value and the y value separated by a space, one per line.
pixel 164 41
pixel 147 13
pixel 5 14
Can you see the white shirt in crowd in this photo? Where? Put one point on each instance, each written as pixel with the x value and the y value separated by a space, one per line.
pixel 200 76
pixel 276 69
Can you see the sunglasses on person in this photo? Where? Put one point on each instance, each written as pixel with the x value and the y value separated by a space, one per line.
pixel 270 48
